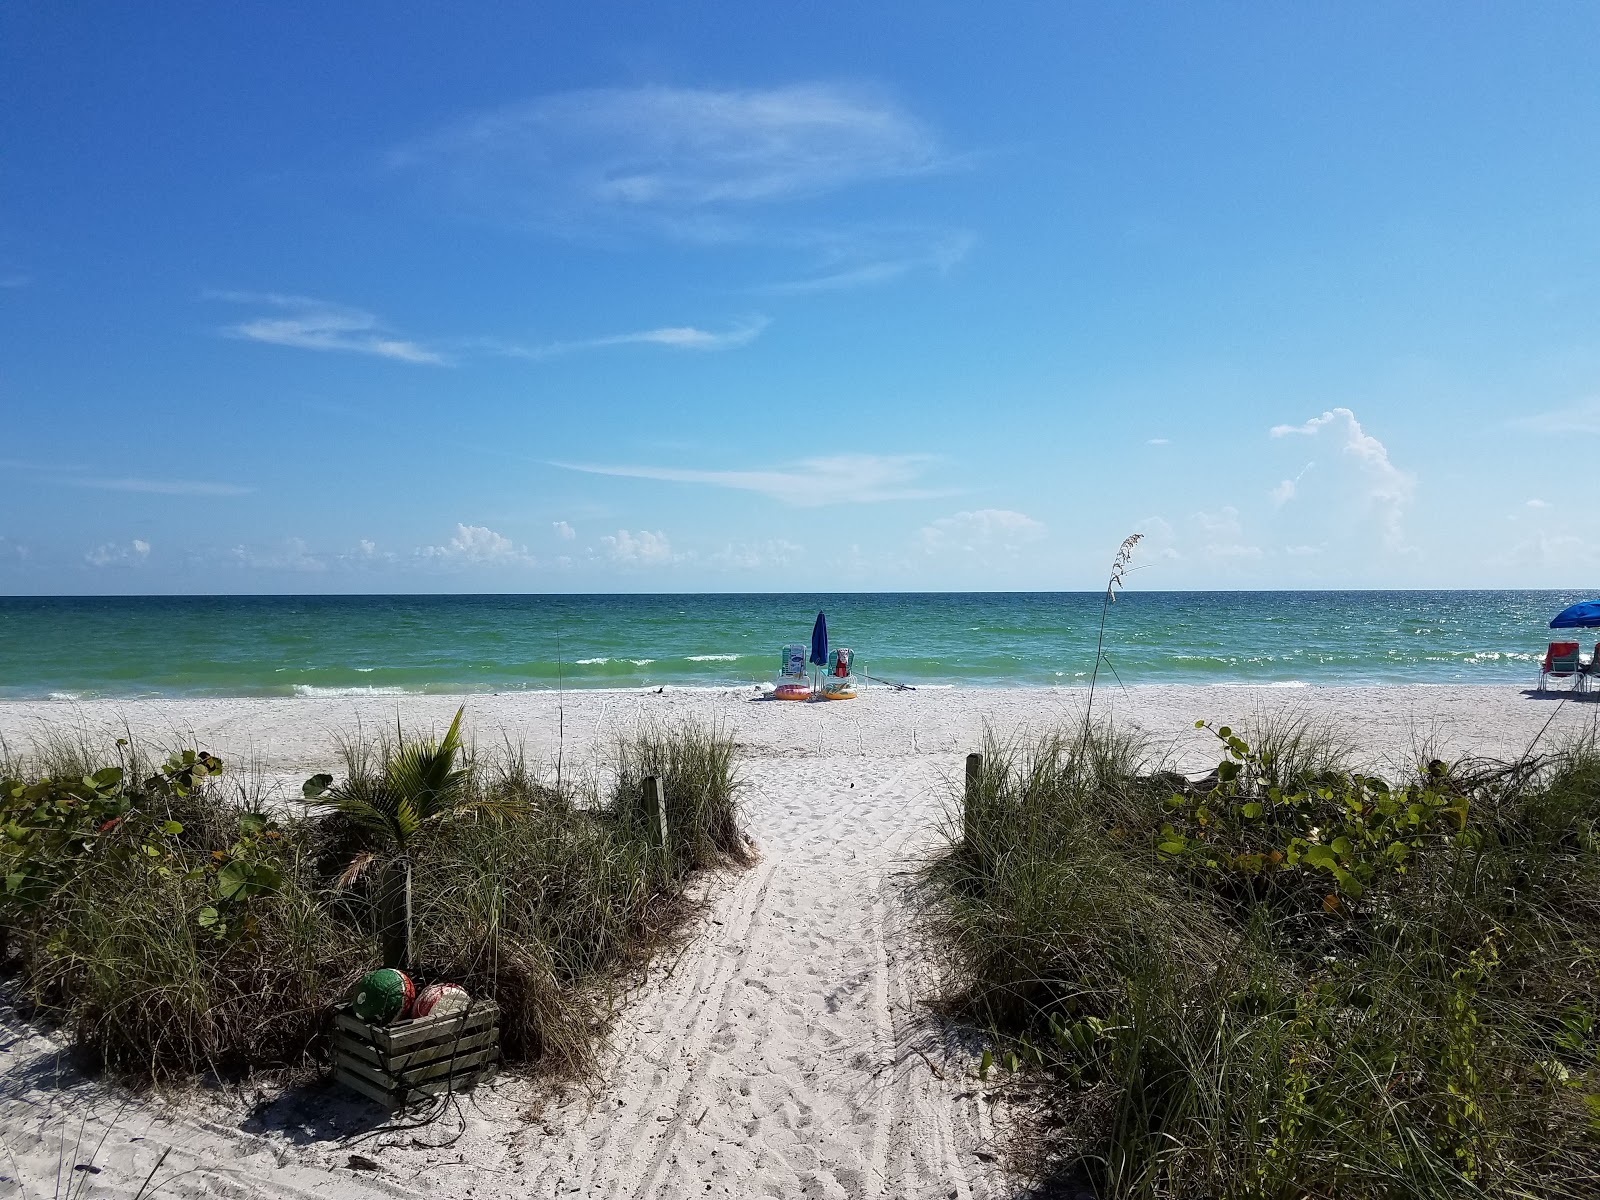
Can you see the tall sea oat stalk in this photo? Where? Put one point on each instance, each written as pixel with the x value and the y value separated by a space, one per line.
pixel 1119 567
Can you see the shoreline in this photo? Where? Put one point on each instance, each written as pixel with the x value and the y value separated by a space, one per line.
pixel 279 736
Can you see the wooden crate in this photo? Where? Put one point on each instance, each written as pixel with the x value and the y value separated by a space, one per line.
pixel 402 1062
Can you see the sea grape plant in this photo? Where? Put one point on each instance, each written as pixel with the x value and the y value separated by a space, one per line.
pixel 1346 829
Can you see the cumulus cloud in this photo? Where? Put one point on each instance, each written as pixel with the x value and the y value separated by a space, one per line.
pixel 476 545
pixel 642 549
pixel 1387 488
pixel 310 324
pixel 657 155
pixel 986 529
pixel 564 531
pixel 840 479
pixel 118 554
pixel 1285 490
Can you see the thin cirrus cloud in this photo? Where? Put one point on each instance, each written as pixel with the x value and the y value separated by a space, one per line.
pixel 865 260
pixel 809 483
pixel 669 156
pixel 306 323
pixel 672 337
pixel 1583 417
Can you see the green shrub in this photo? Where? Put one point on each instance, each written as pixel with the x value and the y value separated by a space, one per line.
pixel 1292 980
pixel 171 932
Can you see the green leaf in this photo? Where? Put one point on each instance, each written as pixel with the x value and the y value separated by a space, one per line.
pixel 1321 856
pixel 106 778
pixel 172 828
pixel 242 880
pixel 1341 846
pixel 1251 810
pixel 984 1064
pixel 252 823
pixel 313 788
pixel 1173 847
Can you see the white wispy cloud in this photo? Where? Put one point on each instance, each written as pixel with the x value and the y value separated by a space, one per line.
pixel 1387 487
pixel 672 337
pixel 563 530
pixel 663 154
pixel 755 556
pixel 306 323
pixel 292 554
pixel 1583 417
pixel 811 482
pixel 986 529
pixel 1159 442
pixel 118 554
pixel 642 549
pixel 867 258
pixel 477 545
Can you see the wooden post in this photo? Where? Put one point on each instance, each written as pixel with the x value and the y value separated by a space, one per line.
pixel 394 915
pixel 655 807
pixel 970 796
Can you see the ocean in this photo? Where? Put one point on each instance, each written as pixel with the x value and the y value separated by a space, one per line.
pixel 87 647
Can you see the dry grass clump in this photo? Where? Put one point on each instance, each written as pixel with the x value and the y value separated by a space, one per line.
pixel 170 930
pixel 1290 980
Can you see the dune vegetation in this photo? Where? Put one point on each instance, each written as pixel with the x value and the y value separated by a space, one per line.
pixel 172 924
pixel 1290 979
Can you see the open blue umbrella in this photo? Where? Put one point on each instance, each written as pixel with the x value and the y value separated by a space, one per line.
pixel 1579 616
pixel 819 641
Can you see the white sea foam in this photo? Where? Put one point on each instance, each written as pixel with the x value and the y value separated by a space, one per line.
pixel 592 662
pixel 310 691
pixel 1284 683
pixel 365 670
pixel 713 657
pixel 65 696
pixel 641 662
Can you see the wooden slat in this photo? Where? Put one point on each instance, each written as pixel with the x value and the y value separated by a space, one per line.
pixel 442 1050
pixel 463 1065
pixel 365 1088
pixel 404 1034
pixel 434 1087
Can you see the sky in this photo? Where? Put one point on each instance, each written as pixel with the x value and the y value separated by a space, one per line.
pixel 729 297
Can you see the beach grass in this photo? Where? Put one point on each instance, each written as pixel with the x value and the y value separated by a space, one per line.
pixel 170 929
pixel 1290 979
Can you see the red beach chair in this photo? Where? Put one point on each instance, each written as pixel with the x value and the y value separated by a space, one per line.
pixel 1562 661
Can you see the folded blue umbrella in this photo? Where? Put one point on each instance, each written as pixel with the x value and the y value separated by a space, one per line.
pixel 819 641
pixel 1579 616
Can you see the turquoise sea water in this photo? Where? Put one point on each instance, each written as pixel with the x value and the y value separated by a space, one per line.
pixel 320 645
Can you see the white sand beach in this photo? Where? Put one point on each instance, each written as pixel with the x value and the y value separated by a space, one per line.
pixel 787 1051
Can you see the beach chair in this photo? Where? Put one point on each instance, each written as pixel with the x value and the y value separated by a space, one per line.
pixel 1562 661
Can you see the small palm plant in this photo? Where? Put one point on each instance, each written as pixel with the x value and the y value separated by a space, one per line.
pixel 419 784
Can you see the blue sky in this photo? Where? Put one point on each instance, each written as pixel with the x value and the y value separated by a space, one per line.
pixel 596 297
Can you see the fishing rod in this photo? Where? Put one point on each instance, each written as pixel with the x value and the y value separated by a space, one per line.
pixel 899 687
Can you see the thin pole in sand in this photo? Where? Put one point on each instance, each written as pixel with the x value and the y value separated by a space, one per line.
pixel 655 805
pixel 970 795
